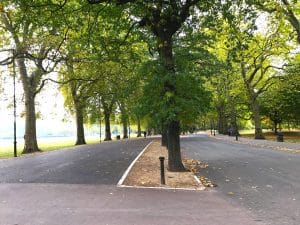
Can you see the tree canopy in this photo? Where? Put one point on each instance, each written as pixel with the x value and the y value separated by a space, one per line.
pixel 164 65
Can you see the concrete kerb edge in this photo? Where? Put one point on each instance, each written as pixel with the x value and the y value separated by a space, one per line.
pixel 121 181
pixel 164 188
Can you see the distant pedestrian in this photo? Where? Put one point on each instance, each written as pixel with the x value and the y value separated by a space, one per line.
pixel 229 131
pixel 145 133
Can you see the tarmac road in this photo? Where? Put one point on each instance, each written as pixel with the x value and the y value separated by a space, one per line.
pixel 78 186
pixel 263 180
pixel 102 163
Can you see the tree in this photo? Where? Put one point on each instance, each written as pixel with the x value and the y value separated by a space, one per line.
pixel 192 100
pixel 36 43
pixel 164 19
pixel 282 9
pixel 76 88
pixel 257 55
pixel 281 103
pixel 93 60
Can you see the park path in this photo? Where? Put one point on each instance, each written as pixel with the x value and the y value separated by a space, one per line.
pixel 261 176
pixel 280 146
pixel 78 187
pixel 88 164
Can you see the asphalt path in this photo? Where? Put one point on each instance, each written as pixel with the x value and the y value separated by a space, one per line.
pixel 264 181
pixel 88 164
pixel 78 186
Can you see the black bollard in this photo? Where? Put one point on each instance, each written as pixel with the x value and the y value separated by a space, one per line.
pixel 280 137
pixel 162 170
pixel 236 137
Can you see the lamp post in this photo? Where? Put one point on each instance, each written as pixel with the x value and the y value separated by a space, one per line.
pixel 15 107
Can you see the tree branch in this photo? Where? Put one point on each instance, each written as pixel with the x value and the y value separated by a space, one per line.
pixel 119 2
pixel 252 75
pixel 292 18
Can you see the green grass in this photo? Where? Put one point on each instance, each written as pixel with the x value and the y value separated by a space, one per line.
pixel 288 136
pixel 7 151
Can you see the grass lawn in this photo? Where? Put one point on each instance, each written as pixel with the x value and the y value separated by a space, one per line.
pixel 7 151
pixel 288 136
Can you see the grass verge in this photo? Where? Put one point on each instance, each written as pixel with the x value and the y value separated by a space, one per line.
pixel 288 136
pixel 45 146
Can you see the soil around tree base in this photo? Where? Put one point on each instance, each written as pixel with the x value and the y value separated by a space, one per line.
pixel 146 171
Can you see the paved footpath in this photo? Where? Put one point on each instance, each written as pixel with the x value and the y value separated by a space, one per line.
pixel 78 187
pixel 261 176
pixel 280 146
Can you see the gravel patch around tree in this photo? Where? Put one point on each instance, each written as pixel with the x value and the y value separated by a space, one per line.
pixel 146 171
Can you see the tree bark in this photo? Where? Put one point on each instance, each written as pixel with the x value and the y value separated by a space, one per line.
pixel 107 108
pixel 165 47
pixel 257 120
pixel 222 123
pixel 252 95
pixel 233 122
pixel 124 119
pixel 107 126
pixel 139 131
pixel 30 144
pixel 125 130
pixel 79 125
pixel 174 156
pixel 29 87
pixel 164 136
pixel 275 127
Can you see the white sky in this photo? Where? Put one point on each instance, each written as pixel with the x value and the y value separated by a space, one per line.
pixel 49 102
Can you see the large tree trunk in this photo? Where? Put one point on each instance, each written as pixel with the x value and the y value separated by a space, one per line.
pixel 164 135
pixel 79 125
pixel 29 87
pixel 174 156
pixel 125 130
pixel 257 121
pixel 252 94
pixel 107 126
pixel 222 123
pixel 275 127
pixel 124 119
pixel 165 46
pixel 107 108
pixel 233 123
pixel 139 131
pixel 30 144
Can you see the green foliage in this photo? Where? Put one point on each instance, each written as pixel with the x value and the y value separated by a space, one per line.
pixel 281 102
pixel 104 49
pixel 191 98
